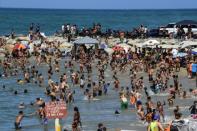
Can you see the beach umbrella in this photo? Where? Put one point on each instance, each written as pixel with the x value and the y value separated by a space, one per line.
pixel 43 34
pixel 150 43
pixel 19 46
pixel 103 46
pixel 180 54
pixel 86 40
pixel 188 44
pixel 194 51
pixel 126 47
pixel 118 48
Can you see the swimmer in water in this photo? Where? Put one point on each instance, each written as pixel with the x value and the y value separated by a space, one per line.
pixel 116 112
pixel 15 92
pixel 19 81
pixel 25 91
pixel 21 105
pixel 18 120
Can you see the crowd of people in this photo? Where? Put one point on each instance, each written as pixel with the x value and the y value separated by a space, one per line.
pixel 142 32
pixel 158 64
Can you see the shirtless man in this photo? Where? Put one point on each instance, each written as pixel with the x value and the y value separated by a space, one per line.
pixel 18 120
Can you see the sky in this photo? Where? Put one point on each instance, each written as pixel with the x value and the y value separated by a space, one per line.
pixel 100 4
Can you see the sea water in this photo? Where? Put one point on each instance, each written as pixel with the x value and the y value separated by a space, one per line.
pixel 51 20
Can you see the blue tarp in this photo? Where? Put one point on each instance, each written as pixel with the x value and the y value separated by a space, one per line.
pixel 194 68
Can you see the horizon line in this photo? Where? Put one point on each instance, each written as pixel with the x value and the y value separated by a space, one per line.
pixel 97 8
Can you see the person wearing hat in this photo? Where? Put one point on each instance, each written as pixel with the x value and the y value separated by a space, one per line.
pixel 155 125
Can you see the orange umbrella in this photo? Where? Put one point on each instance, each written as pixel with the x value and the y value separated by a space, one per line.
pixel 19 46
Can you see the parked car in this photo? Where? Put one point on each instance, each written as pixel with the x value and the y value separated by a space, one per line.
pixel 172 27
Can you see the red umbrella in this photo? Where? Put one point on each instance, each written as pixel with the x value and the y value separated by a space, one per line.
pixel 118 48
pixel 19 46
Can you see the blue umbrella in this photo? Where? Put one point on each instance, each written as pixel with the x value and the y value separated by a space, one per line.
pixel 103 46
pixel 194 53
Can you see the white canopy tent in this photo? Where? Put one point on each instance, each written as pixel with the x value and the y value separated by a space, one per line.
pixel 188 44
pixel 86 40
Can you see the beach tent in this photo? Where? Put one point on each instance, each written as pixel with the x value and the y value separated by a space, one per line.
pixel 86 40
pixel 150 43
pixel 187 22
pixel 188 44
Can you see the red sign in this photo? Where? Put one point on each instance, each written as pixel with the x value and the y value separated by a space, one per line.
pixel 55 110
